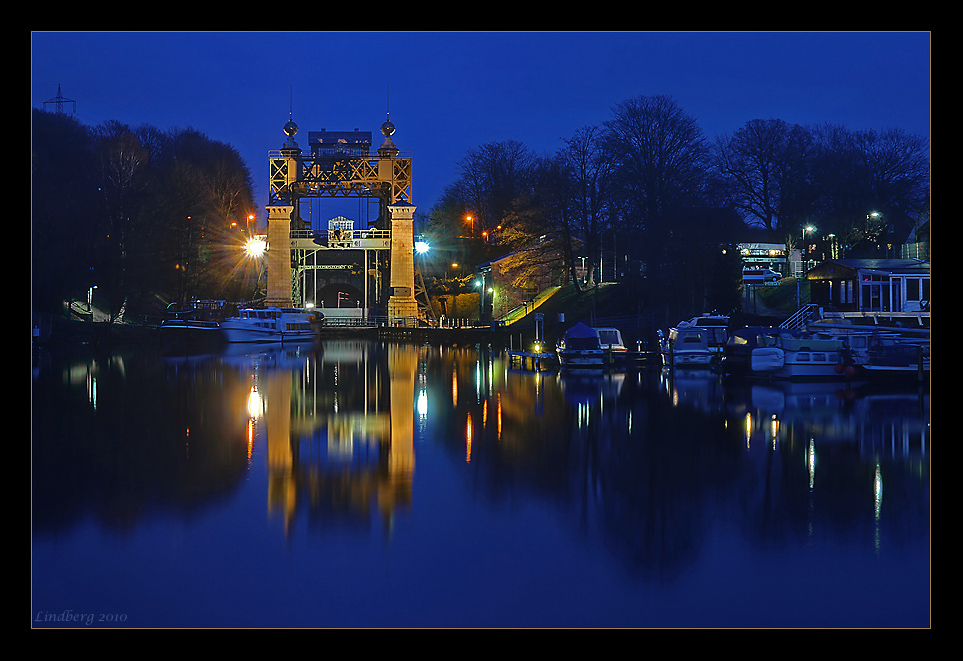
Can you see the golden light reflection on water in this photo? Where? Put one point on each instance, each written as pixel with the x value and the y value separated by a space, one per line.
pixel 336 427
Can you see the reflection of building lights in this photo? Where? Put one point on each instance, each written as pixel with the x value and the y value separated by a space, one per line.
pixel 423 403
pixel 255 406
pixel 811 463
pixel 748 428
pixel 878 491
pixel 250 440
pixel 468 439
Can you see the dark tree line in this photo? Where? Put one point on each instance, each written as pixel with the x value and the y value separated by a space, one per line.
pixel 148 217
pixel 651 191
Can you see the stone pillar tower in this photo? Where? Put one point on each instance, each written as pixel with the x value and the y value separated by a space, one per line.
pixel 279 289
pixel 285 171
pixel 402 306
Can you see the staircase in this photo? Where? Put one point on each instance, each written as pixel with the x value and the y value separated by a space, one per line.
pixel 801 317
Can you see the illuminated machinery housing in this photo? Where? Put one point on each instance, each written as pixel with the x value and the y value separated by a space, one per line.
pixel 339 164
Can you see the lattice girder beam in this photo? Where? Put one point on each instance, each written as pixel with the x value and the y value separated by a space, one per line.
pixel 349 177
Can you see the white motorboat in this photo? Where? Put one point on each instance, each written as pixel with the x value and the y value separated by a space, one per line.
pixel 698 342
pixel 272 324
pixel 783 354
pixel 584 347
pixel 882 352
pixel 897 350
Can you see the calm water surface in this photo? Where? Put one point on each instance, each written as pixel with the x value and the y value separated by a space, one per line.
pixel 359 484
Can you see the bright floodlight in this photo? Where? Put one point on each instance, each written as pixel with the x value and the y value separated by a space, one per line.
pixel 255 247
pixel 421 247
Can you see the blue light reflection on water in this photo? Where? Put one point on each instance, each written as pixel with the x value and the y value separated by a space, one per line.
pixel 486 498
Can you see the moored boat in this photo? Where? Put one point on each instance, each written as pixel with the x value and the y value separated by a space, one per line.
pixel 882 352
pixel 784 354
pixel 272 324
pixel 698 342
pixel 198 324
pixel 584 347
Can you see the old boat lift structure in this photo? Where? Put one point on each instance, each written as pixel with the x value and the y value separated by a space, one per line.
pixel 339 165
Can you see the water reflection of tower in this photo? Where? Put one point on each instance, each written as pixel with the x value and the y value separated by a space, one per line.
pixel 402 369
pixel 282 485
pixel 332 448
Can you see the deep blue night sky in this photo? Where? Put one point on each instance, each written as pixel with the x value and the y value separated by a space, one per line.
pixel 450 92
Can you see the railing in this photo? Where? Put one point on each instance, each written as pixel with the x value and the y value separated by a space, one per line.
pixel 811 312
pixel 370 321
pixel 800 318
pixel 341 235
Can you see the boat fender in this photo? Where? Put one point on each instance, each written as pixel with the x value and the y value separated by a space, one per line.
pixel 767 359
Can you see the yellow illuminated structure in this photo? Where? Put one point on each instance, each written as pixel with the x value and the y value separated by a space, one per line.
pixel 339 165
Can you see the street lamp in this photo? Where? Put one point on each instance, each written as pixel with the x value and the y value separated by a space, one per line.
pixel 255 247
pixel 810 229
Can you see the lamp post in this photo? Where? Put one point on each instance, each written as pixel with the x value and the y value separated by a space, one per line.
pixel 810 229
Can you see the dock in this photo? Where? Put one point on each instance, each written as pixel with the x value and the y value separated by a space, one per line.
pixel 534 361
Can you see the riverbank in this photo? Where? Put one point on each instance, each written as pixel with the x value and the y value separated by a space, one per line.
pixel 608 304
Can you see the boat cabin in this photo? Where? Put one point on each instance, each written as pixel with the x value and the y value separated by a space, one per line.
pixel 610 339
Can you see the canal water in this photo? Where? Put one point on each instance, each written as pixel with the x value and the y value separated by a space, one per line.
pixel 357 484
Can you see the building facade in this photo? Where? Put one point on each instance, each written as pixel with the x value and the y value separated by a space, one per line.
pixel 871 285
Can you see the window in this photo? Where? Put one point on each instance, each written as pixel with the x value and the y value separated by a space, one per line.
pixel 912 289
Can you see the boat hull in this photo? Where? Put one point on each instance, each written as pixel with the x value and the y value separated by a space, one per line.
pixel 583 359
pixel 694 359
pixel 190 332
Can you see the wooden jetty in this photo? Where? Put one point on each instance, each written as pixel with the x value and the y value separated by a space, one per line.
pixel 536 361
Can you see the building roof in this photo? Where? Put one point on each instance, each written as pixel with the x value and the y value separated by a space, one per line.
pixel 834 269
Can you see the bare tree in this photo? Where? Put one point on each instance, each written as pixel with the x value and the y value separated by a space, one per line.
pixel 663 154
pixel 492 177
pixel 766 167
pixel 662 158
pixel 865 172
pixel 123 164
pixel 591 169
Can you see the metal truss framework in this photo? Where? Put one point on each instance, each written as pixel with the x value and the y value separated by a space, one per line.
pixel 388 179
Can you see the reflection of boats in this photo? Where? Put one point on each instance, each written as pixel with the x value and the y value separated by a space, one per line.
pixel 272 324
pixel 698 388
pixel 698 342
pixel 865 414
pixel 584 347
pixel 586 388
pixel 785 354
